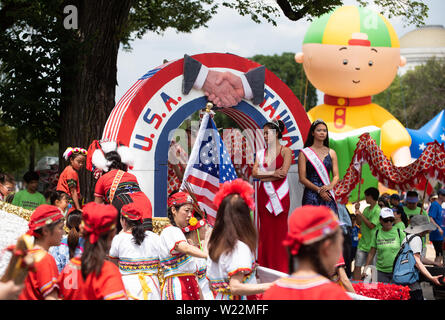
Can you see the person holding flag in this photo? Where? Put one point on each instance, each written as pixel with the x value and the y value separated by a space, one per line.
pixel 271 167
pixel 209 166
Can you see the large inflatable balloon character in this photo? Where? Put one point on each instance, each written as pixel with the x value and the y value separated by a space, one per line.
pixel 351 54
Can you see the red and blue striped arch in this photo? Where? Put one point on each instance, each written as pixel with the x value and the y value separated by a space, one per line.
pixel 154 106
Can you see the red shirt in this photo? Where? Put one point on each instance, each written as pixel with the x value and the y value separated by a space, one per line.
pixel 107 285
pixel 68 179
pixel 314 287
pixel 103 186
pixel 43 280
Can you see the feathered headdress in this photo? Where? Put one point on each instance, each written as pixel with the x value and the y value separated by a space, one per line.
pixel 239 186
pixel 96 161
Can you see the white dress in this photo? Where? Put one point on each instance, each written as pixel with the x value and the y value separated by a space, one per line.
pixel 139 265
pixel 202 279
pixel 175 264
pixel 241 259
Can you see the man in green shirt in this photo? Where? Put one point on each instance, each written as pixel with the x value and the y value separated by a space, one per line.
pixel 385 244
pixel 368 220
pixel 29 198
pixel 411 208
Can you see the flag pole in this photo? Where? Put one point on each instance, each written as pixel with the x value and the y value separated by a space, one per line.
pixel 424 195
pixel 359 182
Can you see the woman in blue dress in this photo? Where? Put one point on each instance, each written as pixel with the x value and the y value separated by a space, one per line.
pixel 316 163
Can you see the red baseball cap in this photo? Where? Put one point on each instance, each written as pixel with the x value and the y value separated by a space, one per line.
pixel 98 219
pixel 43 215
pixel 309 224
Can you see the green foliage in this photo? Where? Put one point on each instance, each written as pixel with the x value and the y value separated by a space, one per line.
pixel 34 46
pixel 417 96
pixel 12 150
pixel 292 74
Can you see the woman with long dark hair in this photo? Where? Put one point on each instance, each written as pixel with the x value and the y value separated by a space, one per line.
pixel 116 186
pixel 231 266
pixel 92 276
pixel 176 254
pixel 136 252
pixel 315 244
pixel 316 162
pixel 271 167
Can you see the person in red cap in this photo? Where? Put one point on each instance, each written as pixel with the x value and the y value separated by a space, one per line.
pixel 176 254
pixel 91 276
pixel 231 266
pixel 46 225
pixel 136 252
pixel 315 241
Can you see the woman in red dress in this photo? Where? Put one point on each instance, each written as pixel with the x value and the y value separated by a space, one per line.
pixel 314 240
pixel 91 276
pixel 271 166
pixel 117 186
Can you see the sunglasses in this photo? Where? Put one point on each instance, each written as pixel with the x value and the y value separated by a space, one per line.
pixel 388 220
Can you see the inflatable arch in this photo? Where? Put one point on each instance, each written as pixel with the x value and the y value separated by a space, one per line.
pixel 150 111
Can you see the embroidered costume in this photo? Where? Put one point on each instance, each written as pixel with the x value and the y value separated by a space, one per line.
pixel 120 188
pixel 180 269
pixel 43 280
pixel 138 264
pixel 98 220
pixel 107 285
pixel 241 259
pixel 314 287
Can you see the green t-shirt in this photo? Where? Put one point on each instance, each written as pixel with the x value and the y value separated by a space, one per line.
pixel 373 216
pixel 387 244
pixel 410 213
pixel 400 225
pixel 27 200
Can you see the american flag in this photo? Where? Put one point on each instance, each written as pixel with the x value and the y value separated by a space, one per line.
pixel 208 167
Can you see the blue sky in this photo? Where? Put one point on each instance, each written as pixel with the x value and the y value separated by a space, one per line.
pixel 230 32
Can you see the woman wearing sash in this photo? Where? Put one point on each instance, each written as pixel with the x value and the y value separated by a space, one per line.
pixel 273 202
pixel 315 163
pixel 116 186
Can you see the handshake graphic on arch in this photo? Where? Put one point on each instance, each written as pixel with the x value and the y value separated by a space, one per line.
pixel 224 89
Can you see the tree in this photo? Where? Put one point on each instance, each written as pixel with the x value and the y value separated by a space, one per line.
pixel 417 96
pixel 292 74
pixel 59 66
pixel 12 158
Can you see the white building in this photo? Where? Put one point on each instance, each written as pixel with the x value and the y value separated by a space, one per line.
pixel 421 44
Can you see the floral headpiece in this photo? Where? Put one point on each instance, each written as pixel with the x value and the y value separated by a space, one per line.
pixel 239 186
pixel 70 151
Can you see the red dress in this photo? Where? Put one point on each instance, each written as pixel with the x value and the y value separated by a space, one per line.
pixel 41 282
pixel 273 229
pixel 314 287
pixel 107 285
pixel 68 179
pixel 127 191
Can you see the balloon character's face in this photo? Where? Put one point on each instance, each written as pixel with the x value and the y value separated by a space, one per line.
pixel 351 71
